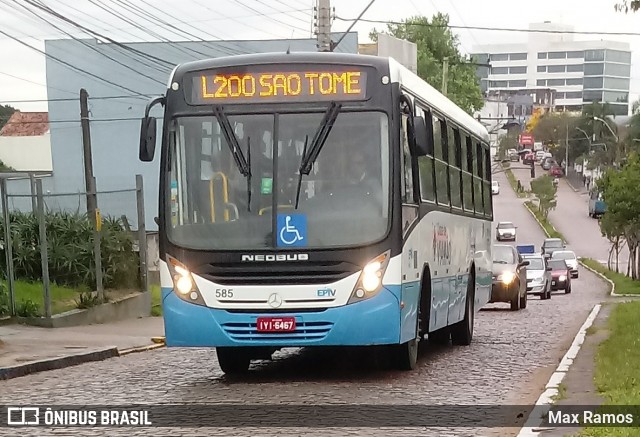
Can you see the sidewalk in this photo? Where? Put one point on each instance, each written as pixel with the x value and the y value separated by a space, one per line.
pixel 29 349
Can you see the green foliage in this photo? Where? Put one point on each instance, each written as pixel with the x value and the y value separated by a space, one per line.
pixel 27 308
pixel 617 372
pixel 506 142
pixel 6 112
pixel 627 5
pixel 70 249
pixel 88 299
pixel 545 192
pixel 435 42
pixel 4 300
pixel 624 284
pixel 514 183
pixel 156 300
pixel 547 227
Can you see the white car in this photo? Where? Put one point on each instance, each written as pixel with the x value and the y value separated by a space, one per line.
pixel 540 155
pixel 506 231
pixel 538 276
pixel 495 187
pixel 570 258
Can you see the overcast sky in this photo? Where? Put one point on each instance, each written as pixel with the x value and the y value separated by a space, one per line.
pixel 268 19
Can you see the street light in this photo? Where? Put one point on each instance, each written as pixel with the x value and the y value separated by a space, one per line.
pixel 608 127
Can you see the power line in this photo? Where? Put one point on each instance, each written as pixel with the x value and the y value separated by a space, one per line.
pixel 500 29
pixel 82 42
pixel 35 83
pixel 101 120
pixel 270 18
pixel 63 99
pixel 66 63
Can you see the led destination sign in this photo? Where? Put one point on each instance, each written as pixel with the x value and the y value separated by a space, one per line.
pixel 283 86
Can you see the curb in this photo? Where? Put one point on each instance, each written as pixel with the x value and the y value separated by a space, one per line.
pixel 532 426
pixel 536 219
pixel 613 285
pixel 139 349
pixel 71 360
pixel 57 363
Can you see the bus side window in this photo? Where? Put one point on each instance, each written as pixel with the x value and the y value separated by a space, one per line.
pixel 441 170
pixel 407 180
pixel 425 166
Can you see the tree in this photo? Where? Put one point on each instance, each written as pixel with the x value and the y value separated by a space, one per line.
pixel 534 120
pixel 506 142
pixel 435 42
pixel 6 112
pixel 621 191
pixel 545 191
pixel 627 5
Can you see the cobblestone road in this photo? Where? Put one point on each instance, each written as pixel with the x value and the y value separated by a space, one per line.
pixel 509 362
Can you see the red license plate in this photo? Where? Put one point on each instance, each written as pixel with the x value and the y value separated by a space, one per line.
pixel 276 324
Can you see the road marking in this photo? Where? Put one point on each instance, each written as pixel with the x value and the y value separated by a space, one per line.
pixel 532 427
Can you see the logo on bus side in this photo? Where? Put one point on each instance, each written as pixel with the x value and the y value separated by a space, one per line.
pixel 441 245
pixel 277 257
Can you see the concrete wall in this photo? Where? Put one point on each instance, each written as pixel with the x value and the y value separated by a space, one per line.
pixel 26 153
pixel 115 122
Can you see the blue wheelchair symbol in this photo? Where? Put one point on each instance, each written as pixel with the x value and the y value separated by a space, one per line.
pixel 292 230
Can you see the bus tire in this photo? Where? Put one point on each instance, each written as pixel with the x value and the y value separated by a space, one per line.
pixel 462 332
pixel 233 360
pixel 407 355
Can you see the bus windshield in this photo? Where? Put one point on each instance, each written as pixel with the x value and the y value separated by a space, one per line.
pixel 344 200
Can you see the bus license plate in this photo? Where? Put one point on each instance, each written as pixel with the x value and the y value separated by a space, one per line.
pixel 276 324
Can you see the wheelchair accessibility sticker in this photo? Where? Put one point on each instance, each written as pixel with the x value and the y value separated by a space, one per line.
pixel 292 230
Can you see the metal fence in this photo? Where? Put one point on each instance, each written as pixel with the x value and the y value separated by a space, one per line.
pixel 55 238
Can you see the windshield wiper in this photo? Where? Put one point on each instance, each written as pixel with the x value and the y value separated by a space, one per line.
pixel 319 138
pixel 499 261
pixel 244 165
pixel 232 141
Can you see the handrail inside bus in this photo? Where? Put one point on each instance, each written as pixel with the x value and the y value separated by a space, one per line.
pixel 267 208
pixel 225 195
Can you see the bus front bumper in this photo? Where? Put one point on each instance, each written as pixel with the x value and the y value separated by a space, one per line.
pixel 370 322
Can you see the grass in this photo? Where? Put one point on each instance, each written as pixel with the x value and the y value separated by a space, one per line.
pixel 562 392
pixel 156 300
pixel 624 284
pixel 617 375
pixel 513 181
pixel 62 298
pixel 546 224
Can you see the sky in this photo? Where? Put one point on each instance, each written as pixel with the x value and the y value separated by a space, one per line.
pixel 23 75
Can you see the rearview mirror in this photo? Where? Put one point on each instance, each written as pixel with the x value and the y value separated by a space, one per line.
pixel 549 269
pixel 147 139
pixel 524 263
pixel 421 137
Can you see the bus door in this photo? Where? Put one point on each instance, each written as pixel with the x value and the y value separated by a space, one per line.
pixel 410 271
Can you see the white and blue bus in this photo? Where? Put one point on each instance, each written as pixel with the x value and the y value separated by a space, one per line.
pixel 318 199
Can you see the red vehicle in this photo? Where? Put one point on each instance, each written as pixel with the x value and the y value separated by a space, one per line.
pixel 529 158
pixel 556 171
pixel 560 275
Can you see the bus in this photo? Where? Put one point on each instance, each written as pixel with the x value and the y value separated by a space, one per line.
pixel 317 199
pixel 597 207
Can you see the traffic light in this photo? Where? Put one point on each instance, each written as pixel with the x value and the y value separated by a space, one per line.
pixel 533 171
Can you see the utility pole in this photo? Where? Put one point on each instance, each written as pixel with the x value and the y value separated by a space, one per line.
pixel 323 25
pixel 445 75
pixel 86 147
pixel 566 151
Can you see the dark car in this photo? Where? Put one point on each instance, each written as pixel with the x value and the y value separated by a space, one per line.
pixel 556 171
pixel 529 158
pixel 550 245
pixel 509 277
pixel 560 275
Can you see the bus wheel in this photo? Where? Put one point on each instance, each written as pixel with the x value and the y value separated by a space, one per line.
pixel 407 355
pixel 233 360
pixel 462 332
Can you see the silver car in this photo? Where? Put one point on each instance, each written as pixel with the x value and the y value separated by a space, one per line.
pixel 570 258
pixel 538 276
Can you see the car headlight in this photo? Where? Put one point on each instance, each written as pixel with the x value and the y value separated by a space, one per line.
pixel 562 278
pixel 183 283
pixel 370 282
pixel 506 277
pixel 537 280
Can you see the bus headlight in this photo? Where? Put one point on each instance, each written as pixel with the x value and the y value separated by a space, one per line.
pixel 370 281
pixel 506 278
pixel 183 283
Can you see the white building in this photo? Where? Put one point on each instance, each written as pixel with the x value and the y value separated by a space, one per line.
pixel 581 72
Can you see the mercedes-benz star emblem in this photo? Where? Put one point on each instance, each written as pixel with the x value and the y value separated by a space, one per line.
pixel 274 300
